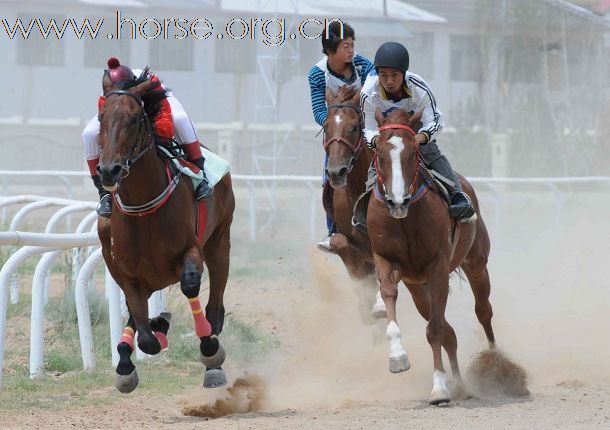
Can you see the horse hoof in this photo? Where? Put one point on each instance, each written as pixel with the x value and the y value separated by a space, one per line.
pixel 379 312
pixel 215 360
pixel 126 383
pixel 214 378
pixel 439 397
pixel 399 364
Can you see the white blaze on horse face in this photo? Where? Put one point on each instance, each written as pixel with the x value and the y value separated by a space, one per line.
pixel 398 182
pixel 338 119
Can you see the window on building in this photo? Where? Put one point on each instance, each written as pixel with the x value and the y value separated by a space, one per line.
pixel 35 50
pixel 97 51
pixel 171 54
pixel 465 58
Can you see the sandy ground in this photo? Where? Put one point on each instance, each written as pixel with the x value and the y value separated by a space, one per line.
pixel 550 295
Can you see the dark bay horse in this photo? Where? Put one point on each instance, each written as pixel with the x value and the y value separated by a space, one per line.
pixel 414 240
pixel 348 161
pixel 150 241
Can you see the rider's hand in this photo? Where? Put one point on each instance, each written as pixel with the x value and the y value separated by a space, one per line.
pixel 421 139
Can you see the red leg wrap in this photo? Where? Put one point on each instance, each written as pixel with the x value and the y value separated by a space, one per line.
pixel 127 337
pixel 161 338
pixel 202 326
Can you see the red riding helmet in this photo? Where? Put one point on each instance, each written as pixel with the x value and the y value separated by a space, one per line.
pixel 119 72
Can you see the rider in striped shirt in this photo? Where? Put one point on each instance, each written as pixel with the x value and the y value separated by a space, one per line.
pixel 339 66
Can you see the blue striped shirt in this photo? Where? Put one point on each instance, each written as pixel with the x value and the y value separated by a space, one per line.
pixel 317 85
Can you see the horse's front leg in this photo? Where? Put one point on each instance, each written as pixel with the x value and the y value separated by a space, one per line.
pixel 126 379
pixel 438 274
pixel 388 284
pixel 212 353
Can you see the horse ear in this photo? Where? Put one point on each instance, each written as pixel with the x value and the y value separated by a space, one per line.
pixel 107 84
pixel 356 99
pixel 329 96
pixel 379 117
pixel 415 118
pixel 141 89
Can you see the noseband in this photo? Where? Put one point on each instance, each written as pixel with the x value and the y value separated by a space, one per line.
pixel 143 121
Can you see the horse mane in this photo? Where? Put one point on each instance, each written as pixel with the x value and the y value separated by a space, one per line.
pixel 345 93
pixel 151 98
pixel 398 116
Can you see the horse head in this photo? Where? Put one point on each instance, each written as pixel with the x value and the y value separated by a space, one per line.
pixel 342 134
pixel 397 159
pixel 126 125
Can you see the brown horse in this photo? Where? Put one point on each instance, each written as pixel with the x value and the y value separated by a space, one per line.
pixel 421 249
pixel 150 241
pixel 348 161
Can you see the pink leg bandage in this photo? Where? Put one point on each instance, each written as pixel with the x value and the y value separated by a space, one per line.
pixel 161 338
pixel 202 326
pixel 127 337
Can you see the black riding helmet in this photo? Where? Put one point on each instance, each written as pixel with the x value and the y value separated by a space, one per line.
pixel 393 55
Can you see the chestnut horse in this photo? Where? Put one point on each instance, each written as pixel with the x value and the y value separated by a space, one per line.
pixel 414 240
pixel 150 241
pixel 348 161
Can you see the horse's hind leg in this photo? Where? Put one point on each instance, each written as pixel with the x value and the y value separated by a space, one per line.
pixel 216 253
pixel 475 267
pixel 212 353
pixel 421 298
pixel 160 326
pixel 479 283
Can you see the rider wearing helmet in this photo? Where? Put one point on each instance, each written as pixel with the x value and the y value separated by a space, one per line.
pixel 339 66
pixel 394 87
pixel 171 120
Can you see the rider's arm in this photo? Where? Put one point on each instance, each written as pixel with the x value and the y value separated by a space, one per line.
pixel 371 130
pixel 317 87
pixel 366 67
pixel 432 118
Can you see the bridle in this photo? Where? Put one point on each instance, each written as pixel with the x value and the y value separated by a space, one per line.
pixel 355 148
pixel 145 126
pixel 143 123
pixel 407 198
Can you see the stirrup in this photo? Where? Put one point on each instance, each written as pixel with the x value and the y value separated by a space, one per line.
pixel 462 213
pixel 104 207
pixel 204 191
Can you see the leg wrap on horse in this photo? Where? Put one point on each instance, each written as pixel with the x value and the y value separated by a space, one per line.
pixel 215 360
pixel 127 337
pixel 202 326
pixel 160 326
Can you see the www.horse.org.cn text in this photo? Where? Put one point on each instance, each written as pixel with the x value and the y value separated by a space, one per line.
pixel 272 31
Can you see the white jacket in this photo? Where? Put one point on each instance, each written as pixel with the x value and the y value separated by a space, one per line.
pixel 421 99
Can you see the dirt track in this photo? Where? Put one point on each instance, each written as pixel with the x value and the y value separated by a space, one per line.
pixel 550 301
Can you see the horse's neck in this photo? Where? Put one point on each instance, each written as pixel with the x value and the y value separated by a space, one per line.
pixel 356 179
pixel 147 178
